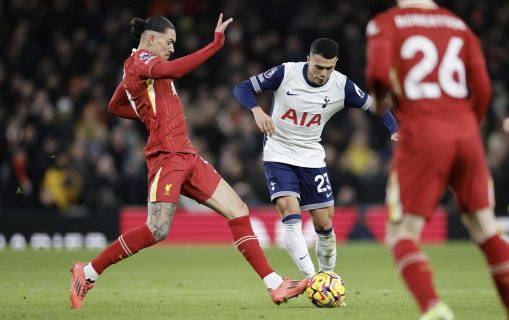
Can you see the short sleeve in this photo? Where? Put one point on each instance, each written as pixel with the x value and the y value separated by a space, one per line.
pixel 355 97
pixel 268 80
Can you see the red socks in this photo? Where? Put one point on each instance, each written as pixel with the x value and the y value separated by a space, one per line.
pixel 496 251
pixel 413 266
pixel 247 243
pixel 126 245
pixel 141 237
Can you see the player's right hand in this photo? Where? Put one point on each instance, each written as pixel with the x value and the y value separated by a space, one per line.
pixel 263 121
pixel 221 26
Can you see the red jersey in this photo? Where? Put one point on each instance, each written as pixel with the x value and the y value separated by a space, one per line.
pixel 147 92
pixel 432 65
pixel 430 62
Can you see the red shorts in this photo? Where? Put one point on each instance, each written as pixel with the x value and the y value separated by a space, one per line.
pixel 172 174
pixel 422 168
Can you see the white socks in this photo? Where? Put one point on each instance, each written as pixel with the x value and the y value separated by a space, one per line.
pixel 272 280
pixel 326 249
pixel 296 245
pixel 90 273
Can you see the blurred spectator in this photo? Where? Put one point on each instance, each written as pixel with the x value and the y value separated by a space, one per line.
pixel 359 152
pixel 62 186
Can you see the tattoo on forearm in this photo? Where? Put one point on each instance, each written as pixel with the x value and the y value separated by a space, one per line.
pixel 160 217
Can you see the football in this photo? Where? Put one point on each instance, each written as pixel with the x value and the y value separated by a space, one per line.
pixel 326 289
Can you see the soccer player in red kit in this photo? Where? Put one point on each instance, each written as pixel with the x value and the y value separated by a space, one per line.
pixel 147 93
pixel 430 64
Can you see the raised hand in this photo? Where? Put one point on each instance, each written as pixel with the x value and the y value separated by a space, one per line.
pixel 221 26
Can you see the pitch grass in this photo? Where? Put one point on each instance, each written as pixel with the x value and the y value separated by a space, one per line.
pixel 215 283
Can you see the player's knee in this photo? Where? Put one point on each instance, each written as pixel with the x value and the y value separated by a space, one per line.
pixel 323 225
pixel 480 233
pixel 160 217
pixel 396 233
pixel 243 209
pixel 481 225
pixel 281 208
pixel 285 207
pixel 405 235
pixel 237 210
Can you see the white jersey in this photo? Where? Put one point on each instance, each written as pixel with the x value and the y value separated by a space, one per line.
pixel 300 111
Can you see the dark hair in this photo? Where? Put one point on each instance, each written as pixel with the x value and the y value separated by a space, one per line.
pixel 324 47
pixel 154 23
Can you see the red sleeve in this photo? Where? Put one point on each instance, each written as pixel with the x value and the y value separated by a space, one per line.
pixel 179 67
pixel 378 65
pixel 119 104
pixel 479 84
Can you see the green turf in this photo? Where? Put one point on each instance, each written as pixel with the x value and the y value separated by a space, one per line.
pixel 215 283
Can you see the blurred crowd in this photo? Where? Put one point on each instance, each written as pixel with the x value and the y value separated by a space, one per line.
pixel 62 59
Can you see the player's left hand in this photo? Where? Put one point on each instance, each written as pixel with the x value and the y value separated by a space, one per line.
pixel 221 26
pixel 395 137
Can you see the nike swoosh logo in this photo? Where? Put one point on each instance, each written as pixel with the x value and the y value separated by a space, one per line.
pixel 303 257
pixel 291 94
pixel 329 194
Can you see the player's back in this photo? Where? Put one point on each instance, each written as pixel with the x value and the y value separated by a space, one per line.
pixel 431 64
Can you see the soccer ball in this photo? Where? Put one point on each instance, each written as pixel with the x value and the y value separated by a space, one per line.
pixel 326 289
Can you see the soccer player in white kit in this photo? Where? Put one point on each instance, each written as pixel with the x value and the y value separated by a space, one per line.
pixel 305 96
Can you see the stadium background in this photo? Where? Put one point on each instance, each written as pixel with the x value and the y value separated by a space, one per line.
pixel 65 164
